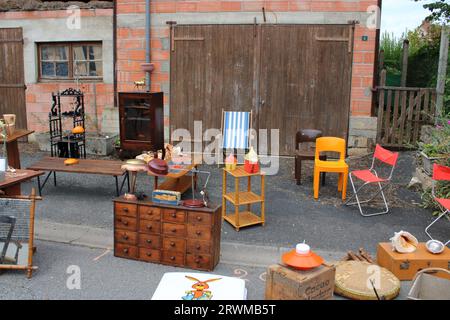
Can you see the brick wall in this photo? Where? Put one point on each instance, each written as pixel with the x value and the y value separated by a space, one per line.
pixel 50 26
pixel 39 99
pixel 131 52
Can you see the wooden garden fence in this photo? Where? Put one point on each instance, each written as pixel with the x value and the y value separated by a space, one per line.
pixel 402 111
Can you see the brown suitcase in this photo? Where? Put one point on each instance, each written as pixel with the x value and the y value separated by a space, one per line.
pixel 284 283
pixel 406 265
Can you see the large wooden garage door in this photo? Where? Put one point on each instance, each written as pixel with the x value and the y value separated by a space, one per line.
pixel 12 84
pixel 291 76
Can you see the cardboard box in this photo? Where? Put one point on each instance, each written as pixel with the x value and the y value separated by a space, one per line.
pixel 284 283
pixel 406 265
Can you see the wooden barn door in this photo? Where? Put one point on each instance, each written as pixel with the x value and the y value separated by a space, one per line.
pixel 291 76
pixel 12 82
pixel 211 70
pixel 305 80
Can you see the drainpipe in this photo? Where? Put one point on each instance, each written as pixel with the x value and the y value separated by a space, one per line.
pixel 147 41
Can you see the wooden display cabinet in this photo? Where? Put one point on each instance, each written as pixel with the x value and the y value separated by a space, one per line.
pixel 141 121
pixel 171 235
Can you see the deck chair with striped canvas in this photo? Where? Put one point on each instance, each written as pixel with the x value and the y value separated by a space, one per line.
pixel 236 135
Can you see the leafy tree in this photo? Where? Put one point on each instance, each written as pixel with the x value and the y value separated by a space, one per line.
pixel 440 11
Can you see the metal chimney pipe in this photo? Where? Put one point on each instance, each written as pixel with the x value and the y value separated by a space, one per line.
pixel 147 42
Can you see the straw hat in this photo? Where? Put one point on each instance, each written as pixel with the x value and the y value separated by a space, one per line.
pixel 302 258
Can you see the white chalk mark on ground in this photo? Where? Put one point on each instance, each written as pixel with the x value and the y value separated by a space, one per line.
pixel 102 255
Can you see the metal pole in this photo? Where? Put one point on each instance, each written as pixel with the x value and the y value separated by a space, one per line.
pixel 147 41
pixel 442 72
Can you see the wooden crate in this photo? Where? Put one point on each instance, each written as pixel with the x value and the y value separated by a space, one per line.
pixel 284 283
pixel 406 265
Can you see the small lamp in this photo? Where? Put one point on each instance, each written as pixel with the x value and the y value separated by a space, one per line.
pixel 197 203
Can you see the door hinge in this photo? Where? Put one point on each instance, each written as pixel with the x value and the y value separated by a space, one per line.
pixel 19 86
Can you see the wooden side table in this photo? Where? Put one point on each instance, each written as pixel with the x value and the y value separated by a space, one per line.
pixel 240 219
pixel 12 146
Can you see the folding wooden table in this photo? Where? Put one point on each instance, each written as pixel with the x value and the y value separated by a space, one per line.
pixel 85 166
pixel 11 183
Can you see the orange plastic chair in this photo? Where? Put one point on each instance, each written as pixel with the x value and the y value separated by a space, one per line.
pixel 331 144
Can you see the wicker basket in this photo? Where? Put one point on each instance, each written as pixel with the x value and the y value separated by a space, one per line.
pixel 352 278
pixel 428 287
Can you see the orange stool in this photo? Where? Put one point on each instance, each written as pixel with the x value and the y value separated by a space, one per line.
pixel 331 144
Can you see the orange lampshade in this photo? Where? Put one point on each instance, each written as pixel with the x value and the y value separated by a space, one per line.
pixel 302 258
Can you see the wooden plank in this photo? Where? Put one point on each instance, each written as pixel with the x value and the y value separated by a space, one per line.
pixel 417 119
pixel 393 133
pixel 403 115
pixel 18 133
pixel 19 176
pixel 404 88
pixel 426 118
pixel 380 119
pixel 433 103
pixel 381 97
pixel 409 126
pixel 87 166
pixel 181 184
pixel 12 81
pixel 387 123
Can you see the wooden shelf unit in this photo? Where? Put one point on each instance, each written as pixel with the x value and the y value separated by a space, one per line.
pixel 239 219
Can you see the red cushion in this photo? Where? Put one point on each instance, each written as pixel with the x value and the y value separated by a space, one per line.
pixel 367 176
pixel 444 202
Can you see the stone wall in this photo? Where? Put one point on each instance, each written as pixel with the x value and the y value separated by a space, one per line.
pixel 362 134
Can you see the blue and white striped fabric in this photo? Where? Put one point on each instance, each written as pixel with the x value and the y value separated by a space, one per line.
pixel 236 130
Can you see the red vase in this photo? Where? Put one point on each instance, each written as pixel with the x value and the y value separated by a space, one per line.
pixel 251 167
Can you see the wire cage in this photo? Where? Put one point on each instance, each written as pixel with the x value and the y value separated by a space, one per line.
pixel 17 233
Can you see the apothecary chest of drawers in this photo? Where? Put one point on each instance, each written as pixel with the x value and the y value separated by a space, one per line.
pixel 172 235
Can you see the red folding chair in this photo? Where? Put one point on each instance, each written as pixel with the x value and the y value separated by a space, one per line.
pixel 370 176
pixel 440 173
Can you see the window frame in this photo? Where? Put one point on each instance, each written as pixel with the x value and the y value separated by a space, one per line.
pixel 70 61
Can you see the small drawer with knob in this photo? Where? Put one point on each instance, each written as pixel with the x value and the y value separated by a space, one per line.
pixel 150 255
pixel 199 232
pixel 126 209
pixel 199 218
pixel 126 237
pixel 150 226
pixel 174 244
pixel 149 241
pixel 125 223
pixel 149 213
pixel 125 251
pixel 172 215
pixel 198 261
pixel 174 230
pixel 198 246
pixel 173 258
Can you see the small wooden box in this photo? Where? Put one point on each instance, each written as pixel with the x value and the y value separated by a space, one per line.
pixel 284 283
pixel 406 265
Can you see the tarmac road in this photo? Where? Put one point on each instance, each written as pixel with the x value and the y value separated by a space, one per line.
pixel 104 276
